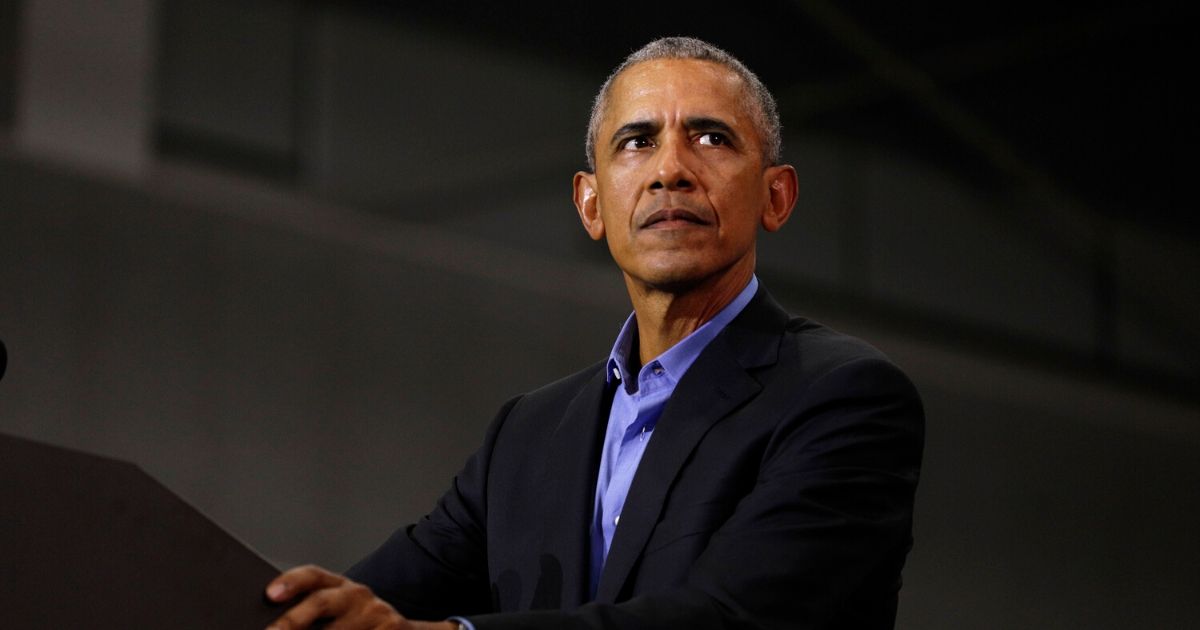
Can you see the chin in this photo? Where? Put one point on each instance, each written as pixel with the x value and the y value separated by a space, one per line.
pixel 676 273
pixel 676 278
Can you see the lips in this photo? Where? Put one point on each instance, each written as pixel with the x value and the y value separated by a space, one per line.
pixel 673 217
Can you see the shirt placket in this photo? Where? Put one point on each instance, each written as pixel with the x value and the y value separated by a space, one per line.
pixel 646 402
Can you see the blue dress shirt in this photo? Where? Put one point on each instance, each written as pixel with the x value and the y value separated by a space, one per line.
pixel 636 406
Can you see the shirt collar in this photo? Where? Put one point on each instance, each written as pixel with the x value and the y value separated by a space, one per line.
pixel 678 358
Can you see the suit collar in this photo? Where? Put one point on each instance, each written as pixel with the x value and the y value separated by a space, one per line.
pixel 717 383
pixel 569 484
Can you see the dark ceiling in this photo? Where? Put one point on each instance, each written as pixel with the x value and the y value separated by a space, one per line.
pixel 1083 96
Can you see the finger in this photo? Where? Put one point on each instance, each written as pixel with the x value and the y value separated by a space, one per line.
pixel 300 580
pixel 324 603
pixel 362 610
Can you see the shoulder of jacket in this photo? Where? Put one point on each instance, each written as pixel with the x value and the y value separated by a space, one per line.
pixel 824 348
pixel 566 386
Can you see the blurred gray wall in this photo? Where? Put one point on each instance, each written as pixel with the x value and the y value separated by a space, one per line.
pixel 322 250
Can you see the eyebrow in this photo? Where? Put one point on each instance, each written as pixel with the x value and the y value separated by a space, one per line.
pixel 635 128
pixel 710 124
pixel 696 123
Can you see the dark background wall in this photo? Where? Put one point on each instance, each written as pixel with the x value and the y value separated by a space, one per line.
pixel 291 258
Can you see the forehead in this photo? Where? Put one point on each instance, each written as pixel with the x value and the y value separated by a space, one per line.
pixel 660 88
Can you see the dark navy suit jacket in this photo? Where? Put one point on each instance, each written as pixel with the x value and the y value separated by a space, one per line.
pixel 776 492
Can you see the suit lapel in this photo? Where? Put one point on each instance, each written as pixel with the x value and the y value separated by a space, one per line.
pixel 715 385
pixel 569 486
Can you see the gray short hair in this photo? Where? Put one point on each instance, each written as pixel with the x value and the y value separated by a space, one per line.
pixel 766 114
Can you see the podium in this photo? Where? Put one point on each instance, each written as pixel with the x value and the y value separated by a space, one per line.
pixel 94 542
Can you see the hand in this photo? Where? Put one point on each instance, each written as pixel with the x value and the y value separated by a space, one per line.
pixel 324 595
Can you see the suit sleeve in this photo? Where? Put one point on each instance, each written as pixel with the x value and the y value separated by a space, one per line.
pixel 819 541
pixel 437 567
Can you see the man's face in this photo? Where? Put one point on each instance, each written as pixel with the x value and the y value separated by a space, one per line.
pixel 680 186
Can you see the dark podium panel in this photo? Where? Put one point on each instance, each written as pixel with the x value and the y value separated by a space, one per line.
pixel 93 542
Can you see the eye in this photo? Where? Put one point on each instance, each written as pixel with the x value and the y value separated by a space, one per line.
pixel 713 138
pixel 635 143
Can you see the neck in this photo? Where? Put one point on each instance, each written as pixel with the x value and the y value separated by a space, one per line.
pixel 666 317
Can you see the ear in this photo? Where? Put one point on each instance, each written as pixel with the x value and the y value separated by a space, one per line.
pixel 782 188
pixel 587 203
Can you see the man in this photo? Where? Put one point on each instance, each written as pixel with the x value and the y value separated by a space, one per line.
pixel 728 466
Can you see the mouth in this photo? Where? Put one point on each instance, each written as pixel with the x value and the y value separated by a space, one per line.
pixel 673 217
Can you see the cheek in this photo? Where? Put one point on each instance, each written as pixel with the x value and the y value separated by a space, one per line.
pixel 626 185
pixel 617 203
pixel 742 202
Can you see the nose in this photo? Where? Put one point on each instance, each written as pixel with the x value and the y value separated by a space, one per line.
pixel 673 171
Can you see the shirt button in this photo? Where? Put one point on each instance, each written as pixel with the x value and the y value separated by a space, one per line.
pixel 617 520
pixel 658 370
